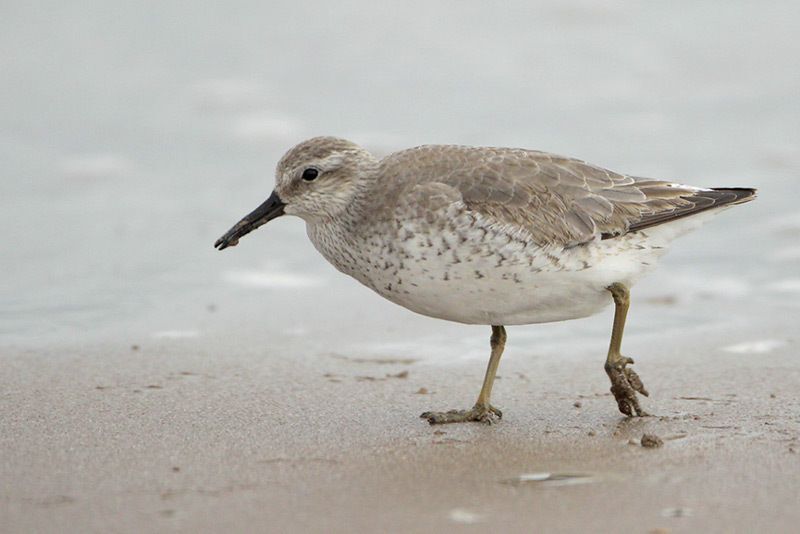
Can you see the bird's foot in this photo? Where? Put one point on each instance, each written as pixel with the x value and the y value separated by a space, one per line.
pixel 480 413
pixel 625 383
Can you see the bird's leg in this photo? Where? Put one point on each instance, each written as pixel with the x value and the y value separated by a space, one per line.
pixel 624 381
pixel 482 412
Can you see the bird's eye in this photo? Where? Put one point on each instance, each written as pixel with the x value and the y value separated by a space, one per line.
pixel 310 174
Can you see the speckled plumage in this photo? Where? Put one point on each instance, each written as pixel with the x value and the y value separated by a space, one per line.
pixel 486 235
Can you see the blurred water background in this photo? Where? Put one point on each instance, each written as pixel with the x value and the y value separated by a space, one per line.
pixel 132 135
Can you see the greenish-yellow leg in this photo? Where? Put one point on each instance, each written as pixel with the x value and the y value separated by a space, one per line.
pixel 483 411
pixel 625 383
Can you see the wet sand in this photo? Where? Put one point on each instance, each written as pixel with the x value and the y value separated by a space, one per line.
pixel 197 438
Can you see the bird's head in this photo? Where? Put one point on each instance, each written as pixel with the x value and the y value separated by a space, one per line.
pixel 316 180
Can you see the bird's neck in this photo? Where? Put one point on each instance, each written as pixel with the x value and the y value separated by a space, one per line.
pixel 339 237
pixel 358 205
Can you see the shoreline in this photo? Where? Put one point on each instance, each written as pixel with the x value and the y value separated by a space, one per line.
pixel 198 439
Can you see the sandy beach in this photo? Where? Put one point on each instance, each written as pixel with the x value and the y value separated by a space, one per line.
pixel 149 383
pixel 209 437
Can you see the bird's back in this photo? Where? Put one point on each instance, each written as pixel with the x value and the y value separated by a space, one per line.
pixel 558 200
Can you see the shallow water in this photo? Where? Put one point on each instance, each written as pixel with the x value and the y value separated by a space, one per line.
pixel 131 141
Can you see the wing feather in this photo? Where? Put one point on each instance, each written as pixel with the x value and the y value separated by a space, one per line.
pixel 558 200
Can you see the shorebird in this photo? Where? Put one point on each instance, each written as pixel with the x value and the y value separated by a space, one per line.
pixel 489 236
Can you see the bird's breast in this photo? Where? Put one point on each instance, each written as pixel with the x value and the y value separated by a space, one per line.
pixel 466 273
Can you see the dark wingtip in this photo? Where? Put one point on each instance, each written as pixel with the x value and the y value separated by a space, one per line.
pixel 739 194
pixel 703 200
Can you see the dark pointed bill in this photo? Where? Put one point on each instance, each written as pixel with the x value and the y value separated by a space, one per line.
pixel 270 209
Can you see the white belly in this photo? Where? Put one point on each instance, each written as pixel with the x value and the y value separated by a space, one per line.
pixel 478 291
pixel 487 275
pixel 491 279
pixel 546 298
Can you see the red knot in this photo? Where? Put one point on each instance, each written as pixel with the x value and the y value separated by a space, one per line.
pixel 492 236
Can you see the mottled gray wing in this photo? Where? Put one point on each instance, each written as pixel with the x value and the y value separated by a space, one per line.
pixel 559 201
